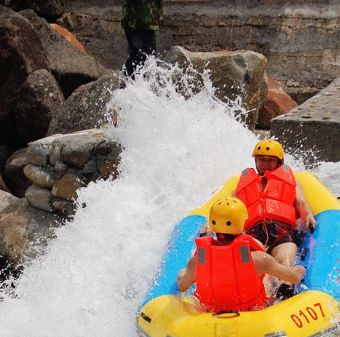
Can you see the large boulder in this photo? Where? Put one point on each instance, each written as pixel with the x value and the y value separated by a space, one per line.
pixel 49 9
pixel 21 53
pixel 71 67
pixel 233 74
pixel 86 107
pixel 39 99
pixel 6 199
pixel 22 227
pixel 67 35
pixel 277 103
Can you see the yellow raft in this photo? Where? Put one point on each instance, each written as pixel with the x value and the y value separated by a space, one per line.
pixel 313 311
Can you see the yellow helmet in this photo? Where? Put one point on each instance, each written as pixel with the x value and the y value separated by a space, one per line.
pixel 228 216
pixel 269 147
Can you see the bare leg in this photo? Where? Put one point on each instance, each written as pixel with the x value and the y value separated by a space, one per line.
pixel 285 254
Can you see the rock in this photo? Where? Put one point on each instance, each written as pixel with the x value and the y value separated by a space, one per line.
pixel 13 230
pixel 68 36
pixel 38 152
pixel 14 176
pixel 39 197
pixel 77 147
pixel 71 67
pixel 66 187
pixel 39 98
pixel 3 186
pixel 107 167
pixel 233 74
pixel 77 154
pixel 24 230
pixel 48 9
pixel 86 107
pixel 21 53
pixel 276 103
pixel 4 153
pixel 106 41
pixel 64 207
pixel 108 157
pixel 60 168
pixel 6 199
pixel 311 130
pixel 39 175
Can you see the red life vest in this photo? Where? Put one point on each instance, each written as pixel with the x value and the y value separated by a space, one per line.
pixel 226 279
pixel 274 202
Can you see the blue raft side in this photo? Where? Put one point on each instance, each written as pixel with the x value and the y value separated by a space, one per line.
pixel 180 249
pixel 323 256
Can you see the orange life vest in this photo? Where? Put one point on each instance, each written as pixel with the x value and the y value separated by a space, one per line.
pixel 274 202
pixel 226 279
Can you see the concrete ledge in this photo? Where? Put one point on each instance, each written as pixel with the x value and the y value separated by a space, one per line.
pixel 313 126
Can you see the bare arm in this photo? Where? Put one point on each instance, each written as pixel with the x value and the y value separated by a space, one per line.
pixel 265 263
pixel 303 208
pixel 186 276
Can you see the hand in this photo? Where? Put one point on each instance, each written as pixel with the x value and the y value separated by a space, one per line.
pixel 180 280
pixel 300 271
pixel 205 230
pixel 310 222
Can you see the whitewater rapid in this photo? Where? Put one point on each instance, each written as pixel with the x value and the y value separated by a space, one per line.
pixel 176 153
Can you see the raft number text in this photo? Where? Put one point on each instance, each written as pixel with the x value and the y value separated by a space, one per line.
pixel 307 315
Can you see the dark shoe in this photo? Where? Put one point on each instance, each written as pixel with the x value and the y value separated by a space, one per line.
pixel 285 291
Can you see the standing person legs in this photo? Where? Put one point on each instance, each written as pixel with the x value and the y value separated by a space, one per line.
pixel 141 43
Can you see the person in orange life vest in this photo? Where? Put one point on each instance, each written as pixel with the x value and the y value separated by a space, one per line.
pixel 228 270
pixel 273 199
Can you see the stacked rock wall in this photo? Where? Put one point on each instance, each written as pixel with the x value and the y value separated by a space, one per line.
pixel 58 165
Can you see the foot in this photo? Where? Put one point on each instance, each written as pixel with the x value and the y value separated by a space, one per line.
pixel 285 291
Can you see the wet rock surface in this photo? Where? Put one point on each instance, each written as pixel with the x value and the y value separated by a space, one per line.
pixel 233 74
pixel 21 226
pixel 55 168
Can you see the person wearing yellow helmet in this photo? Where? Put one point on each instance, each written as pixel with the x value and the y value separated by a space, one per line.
pixel 228 268
pixel 274 200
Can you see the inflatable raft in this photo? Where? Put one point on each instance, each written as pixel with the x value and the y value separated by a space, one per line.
pixel 313 311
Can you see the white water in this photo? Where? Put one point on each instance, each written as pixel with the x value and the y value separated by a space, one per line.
pixel 96 272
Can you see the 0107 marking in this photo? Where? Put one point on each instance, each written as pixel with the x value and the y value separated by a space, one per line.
pixel 308 315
